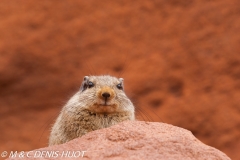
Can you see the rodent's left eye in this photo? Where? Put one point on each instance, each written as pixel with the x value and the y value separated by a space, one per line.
pixel 90 84
pixel 119 86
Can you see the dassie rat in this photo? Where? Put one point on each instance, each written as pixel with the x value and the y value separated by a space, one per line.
pixel 100 103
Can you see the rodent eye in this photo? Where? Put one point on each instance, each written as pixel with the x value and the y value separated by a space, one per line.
pixel 90 84
pixel 119 86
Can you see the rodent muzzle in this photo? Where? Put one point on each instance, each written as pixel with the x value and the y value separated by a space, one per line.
pixel 106 94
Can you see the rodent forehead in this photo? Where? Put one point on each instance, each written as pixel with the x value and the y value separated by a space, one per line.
pixel 104 80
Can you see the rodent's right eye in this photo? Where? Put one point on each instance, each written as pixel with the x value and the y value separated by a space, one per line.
pixel 90 84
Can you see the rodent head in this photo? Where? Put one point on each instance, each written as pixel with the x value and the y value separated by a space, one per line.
pixel 104 94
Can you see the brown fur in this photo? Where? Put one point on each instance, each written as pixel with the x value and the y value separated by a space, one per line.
pixel 86 111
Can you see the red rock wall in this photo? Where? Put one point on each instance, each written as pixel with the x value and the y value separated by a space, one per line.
pixel 180 62
pixel 130 140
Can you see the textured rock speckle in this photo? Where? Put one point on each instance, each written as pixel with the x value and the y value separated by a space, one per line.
pixel 139 140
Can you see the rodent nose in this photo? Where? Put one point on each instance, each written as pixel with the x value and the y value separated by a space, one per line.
pixel 106 95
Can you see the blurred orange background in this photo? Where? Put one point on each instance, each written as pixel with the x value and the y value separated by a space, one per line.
pixel 180 61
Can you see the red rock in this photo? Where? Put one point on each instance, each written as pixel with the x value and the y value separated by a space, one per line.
pixel 179 59
pixel 135 140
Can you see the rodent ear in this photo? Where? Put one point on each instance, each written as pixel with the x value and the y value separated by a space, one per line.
pixel 86 78
pixel 84 83
pixel 121 80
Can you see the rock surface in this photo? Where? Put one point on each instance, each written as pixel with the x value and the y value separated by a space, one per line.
pixel 135 140
pixel 179 58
